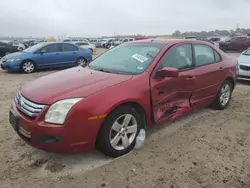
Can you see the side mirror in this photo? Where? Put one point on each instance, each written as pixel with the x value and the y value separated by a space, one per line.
pixel 168 72
pixel 42 52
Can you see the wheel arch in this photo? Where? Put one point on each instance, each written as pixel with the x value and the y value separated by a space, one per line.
pixel 25 60
pixel 231 80
pixel 81 57
pixel 139 108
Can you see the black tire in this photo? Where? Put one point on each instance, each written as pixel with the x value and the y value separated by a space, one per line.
pixel 217 104
pixel 103 142
pixel 81 61
pixel 108 46
pixel 32 65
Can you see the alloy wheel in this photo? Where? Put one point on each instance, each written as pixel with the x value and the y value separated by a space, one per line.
pixel 225 95
pixel 28 67
pixel 81 62
pixel 123 132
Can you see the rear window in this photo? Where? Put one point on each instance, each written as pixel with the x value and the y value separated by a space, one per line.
pixel 68 47
pixel 205 55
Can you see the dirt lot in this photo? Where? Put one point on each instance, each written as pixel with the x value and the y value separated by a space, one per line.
pixel 206 149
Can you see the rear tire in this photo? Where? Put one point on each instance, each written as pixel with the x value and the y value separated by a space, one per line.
pixel 28 66
pixel 223 97
pixel 81 61
pixel 117 136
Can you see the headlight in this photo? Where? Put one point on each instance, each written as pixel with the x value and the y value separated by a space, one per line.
pixel 59 110
pixel 14 59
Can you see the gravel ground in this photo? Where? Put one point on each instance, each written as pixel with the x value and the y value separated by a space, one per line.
pixel 205 149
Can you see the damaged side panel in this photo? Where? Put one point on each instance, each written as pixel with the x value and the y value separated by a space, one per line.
pixel 171 109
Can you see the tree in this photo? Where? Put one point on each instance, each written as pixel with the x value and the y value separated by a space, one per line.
pixel 176 33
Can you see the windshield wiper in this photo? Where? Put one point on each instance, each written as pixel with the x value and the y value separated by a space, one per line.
pixel 150 55
pixel 102 70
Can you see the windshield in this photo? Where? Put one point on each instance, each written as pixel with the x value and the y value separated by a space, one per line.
pixel 34 48
pixel 127 59
pixel 247 52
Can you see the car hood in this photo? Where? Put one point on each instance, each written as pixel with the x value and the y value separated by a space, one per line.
pixel 14 55
pixel 244 59
pixel 70 83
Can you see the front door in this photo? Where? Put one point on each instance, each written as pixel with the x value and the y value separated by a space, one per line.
pixel 171 96
pixel 49 56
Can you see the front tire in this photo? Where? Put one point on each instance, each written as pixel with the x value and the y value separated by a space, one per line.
pixel 28 66
pixel 223 97
pixel 118 133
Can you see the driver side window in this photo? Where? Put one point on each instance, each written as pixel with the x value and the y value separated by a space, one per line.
pixel 179 57
pixel 52 48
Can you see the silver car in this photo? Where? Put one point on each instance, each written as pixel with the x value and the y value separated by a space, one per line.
pixel 244 65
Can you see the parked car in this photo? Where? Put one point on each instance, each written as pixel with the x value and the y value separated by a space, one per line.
pixel 87 45
pixel 111 42
pixel 96 42
pixel 72 40
pixel 133 86
pixel 6 48
pixel 122 41
pixel 46 55
pixel 239 43
pixel 244 65
pixel 20 46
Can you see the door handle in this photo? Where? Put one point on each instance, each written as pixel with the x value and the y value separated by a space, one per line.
pixel 57 54
pixel 159 92
pixel 221 68
pixel 190 78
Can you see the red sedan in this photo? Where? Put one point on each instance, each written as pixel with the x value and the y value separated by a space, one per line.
pixel 132 86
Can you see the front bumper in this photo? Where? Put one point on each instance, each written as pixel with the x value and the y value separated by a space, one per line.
pixel 10 66
pixel 73 137
pixel 243 74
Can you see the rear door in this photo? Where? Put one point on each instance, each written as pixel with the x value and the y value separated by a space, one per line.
pixel 49 56
pixel 69 54
pixel 209 74
pixel 170 96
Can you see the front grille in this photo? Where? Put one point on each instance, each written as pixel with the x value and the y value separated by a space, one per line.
pixel 244 67
pixel 27 107
pixel 247 77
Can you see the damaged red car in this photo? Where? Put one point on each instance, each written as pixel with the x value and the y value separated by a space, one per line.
pixel 131 87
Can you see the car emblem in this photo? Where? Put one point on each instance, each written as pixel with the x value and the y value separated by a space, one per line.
pixel 21 102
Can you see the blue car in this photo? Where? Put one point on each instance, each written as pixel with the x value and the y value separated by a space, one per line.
pixel 46 55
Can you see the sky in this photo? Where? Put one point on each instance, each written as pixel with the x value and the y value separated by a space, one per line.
pixel 92 18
